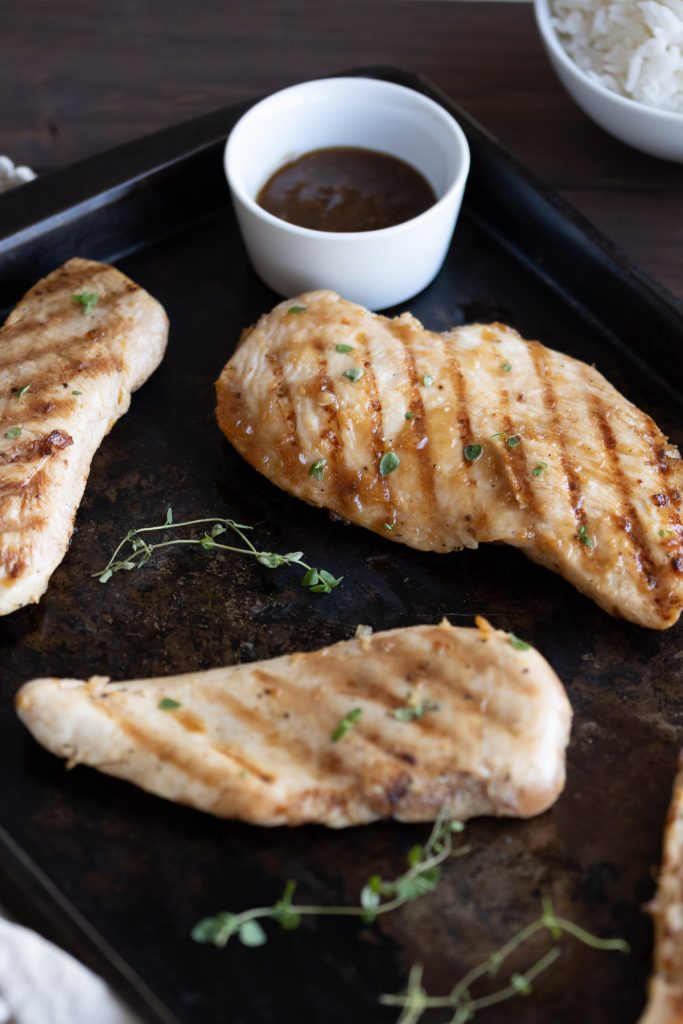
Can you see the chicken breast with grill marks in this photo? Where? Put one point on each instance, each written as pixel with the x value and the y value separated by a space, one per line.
pixel 71 352
pixel 444 441
pixel 400 724
pixel 665 1001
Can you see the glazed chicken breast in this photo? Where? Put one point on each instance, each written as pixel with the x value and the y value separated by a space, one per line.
pixel 401 724
pixel 665 999
pixel 72 351
pixel 445 441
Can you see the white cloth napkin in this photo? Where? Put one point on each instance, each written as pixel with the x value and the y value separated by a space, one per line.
pixel 40 984
pixel 11 176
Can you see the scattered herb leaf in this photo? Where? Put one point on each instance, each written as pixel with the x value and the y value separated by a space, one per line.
pixel 410 415
pixel 519 645
pixel 344 348
pixel 87 300
pixel 472 452
pixel 388 463
pixel 318 469
pixel 354 373
pixel 666 533
pixel 14 432
pixel 538 469
pixel 415 1002
pixel 135 551
pixel 428 380
pixel 168 704
pixel 513 440
pixel 506 367
pixel 20 392
pixel 414 711
pixel 297 309
pixel 585 537
pixel 388 526
pixel 346 724
pixel 76 393
pixel 377 896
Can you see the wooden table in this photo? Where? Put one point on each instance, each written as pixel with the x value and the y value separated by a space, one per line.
pixel 77 78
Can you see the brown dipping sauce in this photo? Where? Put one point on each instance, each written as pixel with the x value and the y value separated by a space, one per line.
pixel 346 188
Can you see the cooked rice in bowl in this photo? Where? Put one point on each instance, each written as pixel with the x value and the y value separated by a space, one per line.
pixel 633 47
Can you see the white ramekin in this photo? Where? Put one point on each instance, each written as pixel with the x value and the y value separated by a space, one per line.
pixel 374 268
pixel 658 132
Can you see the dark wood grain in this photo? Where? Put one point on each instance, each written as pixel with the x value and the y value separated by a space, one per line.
pixel 78 77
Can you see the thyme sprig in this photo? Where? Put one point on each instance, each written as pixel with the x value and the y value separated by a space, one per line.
pixel 377 896
pixel 134 550
pixel 415 1001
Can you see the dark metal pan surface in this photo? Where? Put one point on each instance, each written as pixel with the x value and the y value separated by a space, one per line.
pixel 120 876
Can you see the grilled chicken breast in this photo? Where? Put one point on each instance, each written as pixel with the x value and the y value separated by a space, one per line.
pixel 397 724
pixel 444 441
pixel 72 351
pixel 665 1001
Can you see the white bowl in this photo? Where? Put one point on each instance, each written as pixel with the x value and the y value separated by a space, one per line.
pixel 374 268
pixel 658 132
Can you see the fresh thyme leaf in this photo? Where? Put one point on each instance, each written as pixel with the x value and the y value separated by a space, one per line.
pixel 344 348
pixel 216 930
pixel 271 560
pixel 666 533
pixel 472 452
pixel 462 1000
pixel 134 550
pixel 282 910
pixel 14 432
pixel 88 300
pixel 251 934
pixel 585 537
pixel 428 380
pixel 414 712
pixel 353 373
pixel 538 469
pixel 76 394
pixel 20 392
pixel 297 309
pixel 513 440
pixel 520 983
pixel 377 896
pixel 388 463
pixel 519 645
pixel 318 469
pixel 506 367
pixel 388 526
pixel 499 433
pixel 410 415
pixel 168 704
pixel 346 723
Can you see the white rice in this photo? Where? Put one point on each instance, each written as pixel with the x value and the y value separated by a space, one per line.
pixel 634 47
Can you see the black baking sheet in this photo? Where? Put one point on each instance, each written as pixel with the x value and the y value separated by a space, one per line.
pixel 120 876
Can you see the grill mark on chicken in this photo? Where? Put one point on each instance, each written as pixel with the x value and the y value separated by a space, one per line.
pixel 24 328
pixel 46 342
pixel 629 522
pixel 572 480
pixel 166 751
pixel 560 474
pixel 420 425
pixel 343 484
pixel 283 396
pixel 376 433
pixel 467 437
pixel 671 495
